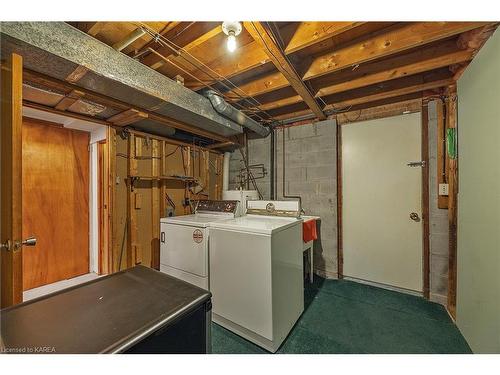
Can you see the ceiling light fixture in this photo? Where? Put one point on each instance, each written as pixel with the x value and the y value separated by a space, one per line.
pixel 232 29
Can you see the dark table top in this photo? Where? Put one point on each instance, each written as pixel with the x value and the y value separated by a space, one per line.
pixel 106 315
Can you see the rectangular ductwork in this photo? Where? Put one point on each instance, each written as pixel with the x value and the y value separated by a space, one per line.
pixel 57 49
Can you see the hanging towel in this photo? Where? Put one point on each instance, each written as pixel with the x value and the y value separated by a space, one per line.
pixel 309 230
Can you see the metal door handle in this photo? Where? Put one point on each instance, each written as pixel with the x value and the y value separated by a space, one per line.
pixel 16 245
pixel 30 241
pixel 414 216
pixel 162 237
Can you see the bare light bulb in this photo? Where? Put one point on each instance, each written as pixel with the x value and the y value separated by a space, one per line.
pixel 231 42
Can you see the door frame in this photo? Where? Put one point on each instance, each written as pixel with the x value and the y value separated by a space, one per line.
pixel 11 289
pixel 424 200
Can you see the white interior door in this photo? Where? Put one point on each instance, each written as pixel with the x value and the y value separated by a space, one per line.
pixel 381 242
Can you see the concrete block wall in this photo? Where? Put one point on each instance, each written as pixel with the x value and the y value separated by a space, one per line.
pixel 311 172
pixel 310 156
pixel 438 221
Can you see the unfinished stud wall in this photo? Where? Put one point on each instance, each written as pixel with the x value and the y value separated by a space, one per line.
pixel 160 168
pixel 311 173
pixel 438 228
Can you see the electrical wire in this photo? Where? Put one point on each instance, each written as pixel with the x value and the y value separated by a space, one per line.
pixel 220 79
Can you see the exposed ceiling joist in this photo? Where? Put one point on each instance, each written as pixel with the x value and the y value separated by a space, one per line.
pixel 65 113
pixel 69 100
pixel 201 35
pixel 267 83
pixel 393 93
pixel 49 82
pixel 372 113
pixel 281 102
pixel 264 38
pixel 308 33
pixel 392 41
pixel 92 28
pixel 127 117
pixel 418 61
pixel 251 55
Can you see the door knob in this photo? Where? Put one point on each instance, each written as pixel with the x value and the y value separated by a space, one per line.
pixel 30 241
pixel 9 245
pixel 414 216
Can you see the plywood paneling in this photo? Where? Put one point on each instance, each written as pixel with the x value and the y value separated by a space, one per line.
pixel 55 176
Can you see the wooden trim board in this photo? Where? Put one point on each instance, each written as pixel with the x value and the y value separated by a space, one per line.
pixel 11 288
pixel 425 201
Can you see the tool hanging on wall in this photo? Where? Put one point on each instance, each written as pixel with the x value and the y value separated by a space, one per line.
pixel 451 142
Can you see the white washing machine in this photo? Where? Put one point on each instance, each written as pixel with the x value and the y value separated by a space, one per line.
pixel 184 241
pixel 256 276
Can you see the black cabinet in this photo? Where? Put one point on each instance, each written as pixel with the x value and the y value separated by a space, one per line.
pixel 139 310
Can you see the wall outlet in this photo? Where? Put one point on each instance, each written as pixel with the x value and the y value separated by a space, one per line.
pixel 443 189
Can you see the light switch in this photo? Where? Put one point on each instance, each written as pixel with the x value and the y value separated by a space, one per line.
pixel 443 189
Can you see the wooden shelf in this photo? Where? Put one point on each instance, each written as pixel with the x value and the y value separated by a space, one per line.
pixel 172 178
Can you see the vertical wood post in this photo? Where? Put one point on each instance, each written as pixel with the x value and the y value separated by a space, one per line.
pixel 442 157
pixel 451 111
pixel 155 204
pixel 425 200
pixel 11 180
pixel 132 256
pixel 340 250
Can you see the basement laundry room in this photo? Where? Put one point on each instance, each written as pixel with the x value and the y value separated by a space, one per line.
pixel 263 186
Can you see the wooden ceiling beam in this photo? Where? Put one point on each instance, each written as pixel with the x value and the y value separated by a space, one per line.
pixel 372 113
pixel 281 103
pixel 49 82
pixel 151 43
pixel 390 94
pixel 251 55
pixel 393 40
pixel 262 85
pixel 418 61
pixel 91 28
pixel 202 34
pixel 474 39
pixel 127 117
pixel 264 38
pixel 288 116
pixel 309 33
pixel 56 111
pixel 69 100
pixel 397 87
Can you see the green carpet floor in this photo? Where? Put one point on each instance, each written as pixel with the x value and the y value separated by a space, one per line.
pixel 347 317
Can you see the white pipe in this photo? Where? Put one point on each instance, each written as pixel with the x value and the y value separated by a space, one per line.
pixel 225 171
pixel 129 39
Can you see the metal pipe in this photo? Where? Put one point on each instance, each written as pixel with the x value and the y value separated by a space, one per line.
pixel 228 111
pixel 272 165
pixel 129 39
pixel 298 118
pixel 298 197
pixel 247 160
pixel 225 171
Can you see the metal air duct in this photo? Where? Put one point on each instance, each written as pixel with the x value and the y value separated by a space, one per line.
pixel 228 111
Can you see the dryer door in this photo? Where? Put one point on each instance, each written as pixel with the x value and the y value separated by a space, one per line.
pixel 185 248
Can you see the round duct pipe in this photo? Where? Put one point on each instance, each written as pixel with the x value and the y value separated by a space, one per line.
pixel 228 111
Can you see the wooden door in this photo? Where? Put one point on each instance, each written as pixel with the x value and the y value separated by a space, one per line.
pixel 11 198
pixel 381 242
pixel 55 202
